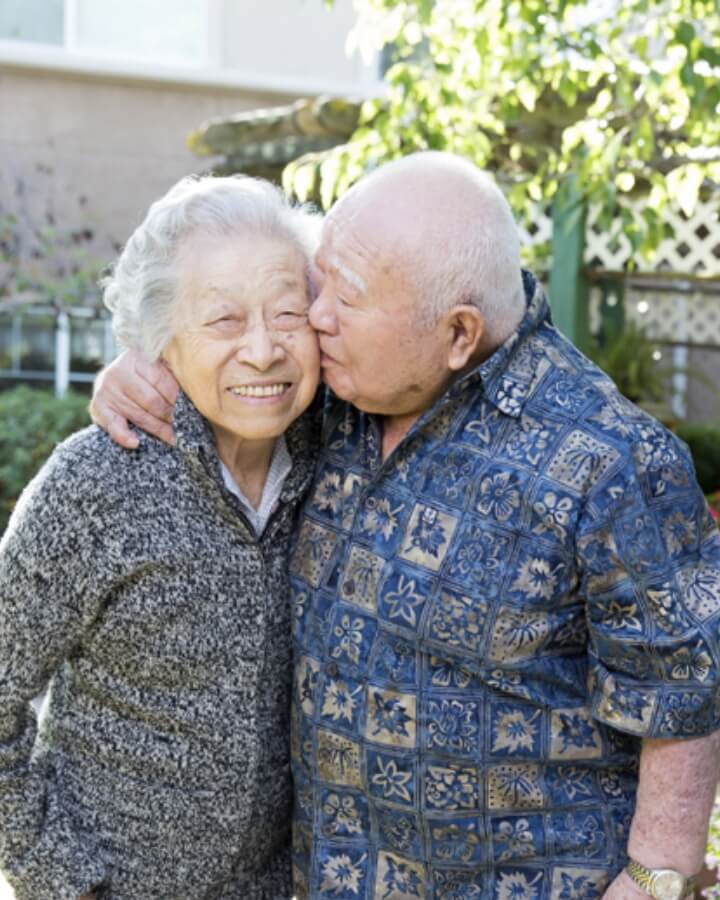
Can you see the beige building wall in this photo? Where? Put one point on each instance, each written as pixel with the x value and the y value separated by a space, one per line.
pixel 95 151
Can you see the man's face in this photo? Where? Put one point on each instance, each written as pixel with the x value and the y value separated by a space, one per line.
pixel 373 352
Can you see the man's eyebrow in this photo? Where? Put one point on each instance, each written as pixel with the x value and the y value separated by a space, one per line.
pixel 351 277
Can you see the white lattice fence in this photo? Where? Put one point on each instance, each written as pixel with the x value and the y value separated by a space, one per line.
pixel 537 231
pixel 689 318
pixel 693 249
pixel 669 316
pixel 673 313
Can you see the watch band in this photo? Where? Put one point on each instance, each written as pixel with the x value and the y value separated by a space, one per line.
pixel 662 884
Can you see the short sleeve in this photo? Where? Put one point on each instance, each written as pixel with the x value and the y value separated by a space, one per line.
pixel 649 557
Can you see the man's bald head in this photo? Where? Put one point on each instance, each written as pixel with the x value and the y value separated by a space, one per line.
pixel 445 220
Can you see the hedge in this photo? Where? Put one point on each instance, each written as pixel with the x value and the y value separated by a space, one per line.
pixel 704 444
pixel 32 423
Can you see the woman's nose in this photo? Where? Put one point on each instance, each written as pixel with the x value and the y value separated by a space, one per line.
pixel 322 313
pixel 260 347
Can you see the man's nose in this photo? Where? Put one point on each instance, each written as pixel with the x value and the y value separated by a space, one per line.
pixel 322 313
pixel 259 347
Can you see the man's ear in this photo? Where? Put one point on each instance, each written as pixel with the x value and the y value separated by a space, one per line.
pixel 466 327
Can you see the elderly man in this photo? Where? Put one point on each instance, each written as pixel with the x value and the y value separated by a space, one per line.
pixel 506 582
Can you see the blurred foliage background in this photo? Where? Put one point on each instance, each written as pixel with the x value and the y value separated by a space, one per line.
pixel 624 95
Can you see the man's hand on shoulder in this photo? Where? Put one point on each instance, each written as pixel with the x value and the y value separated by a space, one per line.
pixel 131 389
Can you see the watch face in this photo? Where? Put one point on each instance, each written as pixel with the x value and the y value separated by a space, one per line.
pixel 668 886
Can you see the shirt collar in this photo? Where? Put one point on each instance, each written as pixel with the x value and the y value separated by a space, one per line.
pixel 196 442
pixel 280 466
pixel 507 386
pixel 192 431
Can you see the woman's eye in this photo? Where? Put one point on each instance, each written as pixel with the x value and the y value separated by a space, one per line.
pixel 290 319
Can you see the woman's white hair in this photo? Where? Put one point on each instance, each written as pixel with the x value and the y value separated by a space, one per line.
pixel 142 290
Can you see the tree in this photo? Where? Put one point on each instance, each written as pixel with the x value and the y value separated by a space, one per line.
pixel 623 94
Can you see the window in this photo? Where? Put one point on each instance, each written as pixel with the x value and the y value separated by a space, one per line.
pixel 39 21
pixel 158 30
pixel 286 45
pixel 29 348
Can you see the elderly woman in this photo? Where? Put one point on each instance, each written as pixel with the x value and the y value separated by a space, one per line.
pixel 149 587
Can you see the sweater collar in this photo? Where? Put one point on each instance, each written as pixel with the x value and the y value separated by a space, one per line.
pixel 196 443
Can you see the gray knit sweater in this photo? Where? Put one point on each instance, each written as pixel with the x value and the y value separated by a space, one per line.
pixel 133 583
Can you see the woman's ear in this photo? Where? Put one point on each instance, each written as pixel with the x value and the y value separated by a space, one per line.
pixel 466 329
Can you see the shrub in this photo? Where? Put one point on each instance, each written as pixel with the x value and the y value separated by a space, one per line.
pixel 713 501
pixel 704 444
pixel 32 422
pixel 628 359
pixel 712 859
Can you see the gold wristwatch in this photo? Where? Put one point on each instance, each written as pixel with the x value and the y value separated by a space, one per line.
pixel 662 884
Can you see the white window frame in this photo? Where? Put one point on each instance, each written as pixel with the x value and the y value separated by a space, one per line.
pixel 71 26
pixel 69 57
pixel 60 375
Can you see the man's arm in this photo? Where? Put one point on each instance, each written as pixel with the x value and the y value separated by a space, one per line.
pixel 650 554
pixel 676 789
pixel 133 390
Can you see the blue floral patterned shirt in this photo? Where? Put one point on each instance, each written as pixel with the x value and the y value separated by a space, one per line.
pixel 487 624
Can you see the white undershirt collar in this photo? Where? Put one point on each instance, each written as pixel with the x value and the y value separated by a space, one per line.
pixel 280 466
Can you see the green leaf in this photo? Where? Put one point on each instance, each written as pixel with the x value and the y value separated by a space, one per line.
pixel 644 138
pixel 641 46
pixel 527 93
pixel 684 186
pixel 711 55
pixel 568 90
pixel 685 33
pixel 613 147
pixel 687 73
pixel 426 10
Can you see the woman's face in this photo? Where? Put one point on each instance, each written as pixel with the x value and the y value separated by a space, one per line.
pixel 242 348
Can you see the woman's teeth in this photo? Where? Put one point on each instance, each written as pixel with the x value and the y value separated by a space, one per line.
pixel 265 390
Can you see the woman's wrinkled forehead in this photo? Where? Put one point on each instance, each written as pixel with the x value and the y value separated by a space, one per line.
pixel 247 271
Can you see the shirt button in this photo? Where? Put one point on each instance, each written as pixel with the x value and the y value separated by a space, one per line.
pixel 331 669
